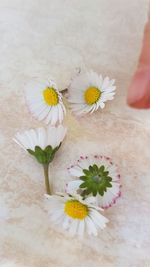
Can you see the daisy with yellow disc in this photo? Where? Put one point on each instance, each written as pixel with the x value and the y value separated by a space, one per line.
pixel 89 92
pixel 45 102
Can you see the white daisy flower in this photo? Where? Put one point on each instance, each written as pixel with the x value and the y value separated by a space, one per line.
pixel 45 102
pixel 41 137
pixel 42 143
pixel 76 215
pixel 89 91
pixel 98 176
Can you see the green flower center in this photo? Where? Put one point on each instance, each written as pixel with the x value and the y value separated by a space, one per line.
pixel 96 180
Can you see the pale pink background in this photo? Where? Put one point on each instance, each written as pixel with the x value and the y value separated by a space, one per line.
pixel 42 38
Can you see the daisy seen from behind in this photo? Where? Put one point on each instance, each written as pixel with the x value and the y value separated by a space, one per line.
pixel 42 143
pixel 98 176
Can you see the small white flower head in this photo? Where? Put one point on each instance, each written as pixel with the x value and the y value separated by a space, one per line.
pixel 45 102
pixel 89 92
pixel 76 215
pixel 42 142
pixel 97 176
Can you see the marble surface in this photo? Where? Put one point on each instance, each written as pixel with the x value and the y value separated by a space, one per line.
pixel 42 38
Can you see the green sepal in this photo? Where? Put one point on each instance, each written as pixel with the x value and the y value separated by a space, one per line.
pixel 102 168
pixel 86 172
pixel 83 178
pixel 83 185
pixel 95 167
pixel 44 156
pixel 96 180
pixel 31 151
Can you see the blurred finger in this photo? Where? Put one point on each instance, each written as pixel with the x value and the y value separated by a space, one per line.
pixel 139 90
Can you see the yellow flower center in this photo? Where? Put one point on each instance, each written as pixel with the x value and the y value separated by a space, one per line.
pixel 50 96
pixel 92 95
pixel 76 209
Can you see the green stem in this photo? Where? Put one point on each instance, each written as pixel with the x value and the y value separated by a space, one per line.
pixel 47 184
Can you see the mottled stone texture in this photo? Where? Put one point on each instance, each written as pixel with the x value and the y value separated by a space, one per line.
pixel 42 38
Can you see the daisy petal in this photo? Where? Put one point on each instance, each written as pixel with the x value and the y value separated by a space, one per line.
pixel 73 186
pixel 42 137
